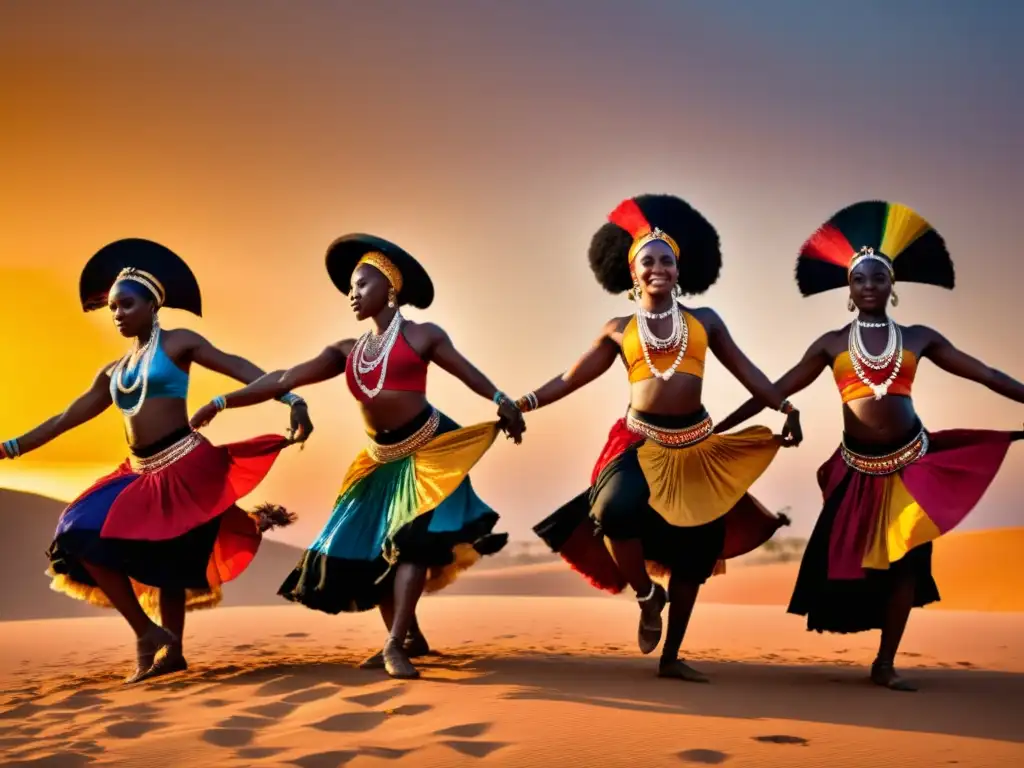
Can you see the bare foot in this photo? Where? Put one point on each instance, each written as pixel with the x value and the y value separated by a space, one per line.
pixel 155 639
pixel 884 674
pixel 415 646
pixel 680 670
pixel 396 663
pixel 649 631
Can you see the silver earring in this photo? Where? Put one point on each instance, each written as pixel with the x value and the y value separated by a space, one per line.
pixel 677 291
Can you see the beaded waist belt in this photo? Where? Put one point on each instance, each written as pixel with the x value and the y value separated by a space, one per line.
pixel 383 454
pixel 167 456
pixel 670 438
pixel 890 462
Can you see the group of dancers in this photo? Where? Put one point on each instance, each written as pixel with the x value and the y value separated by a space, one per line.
pixel 668 501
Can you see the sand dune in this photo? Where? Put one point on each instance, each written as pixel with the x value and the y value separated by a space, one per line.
pixel 521 682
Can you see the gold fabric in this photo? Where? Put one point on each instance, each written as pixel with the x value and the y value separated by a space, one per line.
pixel 900 525
pixel 698 484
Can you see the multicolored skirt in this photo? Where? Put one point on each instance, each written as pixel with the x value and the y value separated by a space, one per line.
pixel 884 505
pixel 676 486
pixel 167 518
pixel 407 498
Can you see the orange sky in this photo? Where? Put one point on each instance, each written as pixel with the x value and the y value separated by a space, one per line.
pixel 491 140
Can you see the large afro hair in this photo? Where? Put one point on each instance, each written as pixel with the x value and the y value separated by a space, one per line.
pixel 700 253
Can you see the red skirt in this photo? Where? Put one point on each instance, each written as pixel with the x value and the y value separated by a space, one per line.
pixel 875 528
pixel 574 535
pixel 167 518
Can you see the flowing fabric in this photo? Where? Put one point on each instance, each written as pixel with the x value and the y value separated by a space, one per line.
pixel 177 527
pixel 695 512
pixel 420 509
pixel 876 528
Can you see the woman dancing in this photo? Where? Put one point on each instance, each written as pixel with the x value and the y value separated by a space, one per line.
pixel 406 519
pixel 668 497
pixel 892 487
pixel 161 534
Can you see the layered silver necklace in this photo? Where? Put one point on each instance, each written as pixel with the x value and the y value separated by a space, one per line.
pixel 891 356
pixel 372 351
pixel 144 360
pixel 679 336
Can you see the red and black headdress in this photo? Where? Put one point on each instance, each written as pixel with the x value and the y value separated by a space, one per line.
pixel 642 219
pixel 890 233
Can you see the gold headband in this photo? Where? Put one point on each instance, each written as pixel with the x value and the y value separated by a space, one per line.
pixel 868 254
pixel 655 234
pixel 146 280
pixel 385 266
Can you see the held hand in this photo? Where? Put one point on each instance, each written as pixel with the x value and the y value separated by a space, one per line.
pixel 512 421
pixel 203 416
pixel 301 426
pixel 792 435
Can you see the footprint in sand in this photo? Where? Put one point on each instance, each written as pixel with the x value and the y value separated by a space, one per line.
pixel 477 749
pixel 781 739
pixel 133 729
pixel 275 709
pixel 324 759
pixel 297 634
pixel 966 664
pixel 310 694
pixel 375 698
pixel 467 731
pixel 703 756
pixel 257 753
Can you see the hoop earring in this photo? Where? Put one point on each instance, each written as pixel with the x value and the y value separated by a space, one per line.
pixel 850 305
pixel 636 292
pixel 677 291
pixel 894 298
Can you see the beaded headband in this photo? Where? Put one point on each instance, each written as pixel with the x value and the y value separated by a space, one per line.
pixel 385 266
pixel 868 254
pixel 648 237
pixel 144 279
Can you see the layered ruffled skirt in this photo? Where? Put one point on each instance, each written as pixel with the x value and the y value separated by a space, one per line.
pixel 407 498
pixel 167 519
pixel 677 487
pixel 884 505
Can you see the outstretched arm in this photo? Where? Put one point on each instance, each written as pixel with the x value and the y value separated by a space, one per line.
pixel 85 408
pixel 940 351
pixel 328 364
pixel 442 351
pixel 202 352
pixel 739 365
pixel 594 362
pixel 797 379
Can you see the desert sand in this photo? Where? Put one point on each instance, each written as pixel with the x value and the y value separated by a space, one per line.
pixel 521 682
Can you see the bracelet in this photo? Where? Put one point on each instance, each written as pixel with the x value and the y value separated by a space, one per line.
pixel 786 407
pixel 10 449
pixel 291 399
pixel 219 402
pixel 499 397
pixel 528 402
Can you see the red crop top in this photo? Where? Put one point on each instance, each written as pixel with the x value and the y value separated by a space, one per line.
pixel 406 372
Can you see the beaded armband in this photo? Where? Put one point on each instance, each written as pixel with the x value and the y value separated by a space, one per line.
pixel 290 399
pixel 786 407
pixel 219 402
pixel 527 402
pixel 10 449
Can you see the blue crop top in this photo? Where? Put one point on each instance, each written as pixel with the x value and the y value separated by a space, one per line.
pixel 166 380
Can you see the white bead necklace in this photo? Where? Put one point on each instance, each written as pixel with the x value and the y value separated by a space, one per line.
pixel 892 355
pixel 142 366
pixel 680 336
pixel 364 364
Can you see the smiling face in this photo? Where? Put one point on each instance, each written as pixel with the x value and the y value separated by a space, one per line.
pixel 132 308
pixel 369 295
pixel 870 286
pixel 656 270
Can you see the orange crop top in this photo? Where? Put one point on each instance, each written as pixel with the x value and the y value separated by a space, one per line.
pixel 692 362
pixel 852 388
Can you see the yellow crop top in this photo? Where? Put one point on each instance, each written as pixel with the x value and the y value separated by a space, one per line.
pixel 692 362
pixel 852 388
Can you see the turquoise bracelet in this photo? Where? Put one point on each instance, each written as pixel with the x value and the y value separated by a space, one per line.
pixel 290 399
pixel 11 449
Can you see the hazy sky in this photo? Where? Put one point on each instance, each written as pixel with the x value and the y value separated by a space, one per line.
pixel 491 139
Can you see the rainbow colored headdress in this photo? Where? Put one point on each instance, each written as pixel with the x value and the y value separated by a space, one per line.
pixel 890 233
